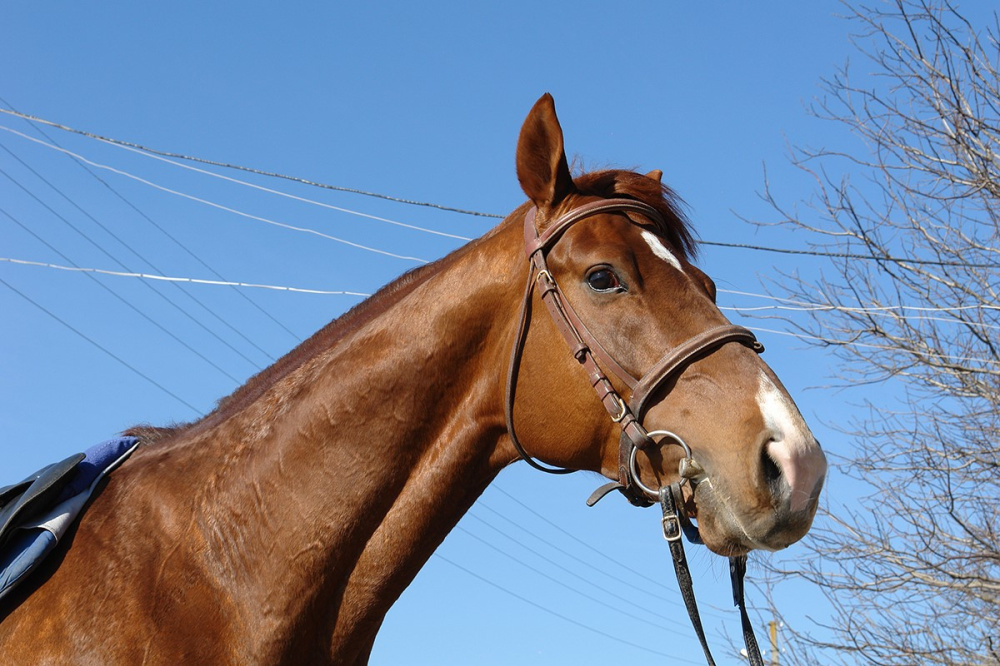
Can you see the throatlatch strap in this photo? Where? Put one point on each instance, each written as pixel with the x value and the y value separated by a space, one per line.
pixel 515 363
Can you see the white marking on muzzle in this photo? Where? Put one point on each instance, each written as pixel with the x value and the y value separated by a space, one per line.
pixel 660 250
pixel 792 446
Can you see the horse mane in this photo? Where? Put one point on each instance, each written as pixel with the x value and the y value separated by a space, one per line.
pixel 323 339
pixel 621 183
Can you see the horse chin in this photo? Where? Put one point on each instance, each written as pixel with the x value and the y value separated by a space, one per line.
pixel 730 533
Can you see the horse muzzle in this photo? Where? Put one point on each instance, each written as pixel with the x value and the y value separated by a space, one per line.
pixel 775 511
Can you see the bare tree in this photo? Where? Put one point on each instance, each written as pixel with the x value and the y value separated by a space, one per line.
pixel 912 571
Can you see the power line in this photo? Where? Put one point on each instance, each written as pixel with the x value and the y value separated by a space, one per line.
pixel 169 300
pixel 217 206
pixel 259 172
pixel 575 590
pixel 832 342
pixel 572 536
pixel 261 188
pixel 103 349
pixel 894 312
pixel 550 560
pixel 322 292
pixel 271 174
pixel 294 197
pixel 163 231
pixel 146 276
pixel 874 312
pixel 873 308
pixel 849 255
pixel 542 608
pixel 139 148
pixel 565 552
pixel 108 289
pixel 801 306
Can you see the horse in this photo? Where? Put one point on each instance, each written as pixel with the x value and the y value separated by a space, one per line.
pixel 281 527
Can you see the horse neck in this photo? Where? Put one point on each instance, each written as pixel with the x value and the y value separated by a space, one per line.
pixel 334 486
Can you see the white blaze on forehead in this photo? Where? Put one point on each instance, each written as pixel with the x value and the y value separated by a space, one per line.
pixel 660 250
pixel 792 447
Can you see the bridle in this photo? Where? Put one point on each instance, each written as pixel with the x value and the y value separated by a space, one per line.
pixel 588 351
pixel 627 415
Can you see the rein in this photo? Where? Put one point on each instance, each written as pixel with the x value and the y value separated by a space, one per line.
pixel 628 415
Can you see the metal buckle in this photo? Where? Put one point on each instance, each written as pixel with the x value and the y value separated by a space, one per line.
pixel 548 276
pixel 623 410
pixel 672 527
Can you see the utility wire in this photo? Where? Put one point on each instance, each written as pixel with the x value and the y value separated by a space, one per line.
pixel 217 206
pixel 143 148
pixel 586 564
pixel 111 291
pixel 673 657
pixel 261 188
pixel 294 197
pixel 165 278
pixel 603 601
pixel 873 308
pixel 259 172
pixel 802 306
pixel 324 292
pixel 799 306
pixel 271 174
pixel 832 342
pixel 549 560
pixel 849 255
pixel 574 557
pixel 159 228
pixel 103 349
pixel 122 264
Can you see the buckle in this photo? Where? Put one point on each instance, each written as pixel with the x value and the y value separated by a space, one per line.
pixel 623 410
pixel 671 527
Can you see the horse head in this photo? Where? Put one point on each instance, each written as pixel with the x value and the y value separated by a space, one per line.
pixel 618 279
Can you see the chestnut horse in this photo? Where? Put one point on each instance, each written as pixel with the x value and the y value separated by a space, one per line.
pixel 280 528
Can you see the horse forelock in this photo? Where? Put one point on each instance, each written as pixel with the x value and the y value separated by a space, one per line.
pixel 613 183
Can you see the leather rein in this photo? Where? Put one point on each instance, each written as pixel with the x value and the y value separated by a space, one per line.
pixel 627 415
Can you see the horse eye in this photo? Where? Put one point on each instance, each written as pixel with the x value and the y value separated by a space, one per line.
pixel 604 279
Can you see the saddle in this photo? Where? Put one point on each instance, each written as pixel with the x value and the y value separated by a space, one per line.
pixel 36 512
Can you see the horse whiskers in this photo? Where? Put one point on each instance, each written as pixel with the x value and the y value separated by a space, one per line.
pixel 723 501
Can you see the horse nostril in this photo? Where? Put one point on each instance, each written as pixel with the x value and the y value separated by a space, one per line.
pixel 794 470
pixel 771 470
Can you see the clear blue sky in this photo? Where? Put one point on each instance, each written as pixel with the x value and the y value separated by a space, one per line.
pixel 420 101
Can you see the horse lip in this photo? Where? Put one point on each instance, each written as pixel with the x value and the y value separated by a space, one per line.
pixel 737 539
pixel 690 505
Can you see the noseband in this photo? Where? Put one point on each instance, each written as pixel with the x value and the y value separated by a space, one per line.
pixel 627 415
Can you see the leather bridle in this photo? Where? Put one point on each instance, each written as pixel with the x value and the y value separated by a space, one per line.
pixel 627 415
pixel 592 356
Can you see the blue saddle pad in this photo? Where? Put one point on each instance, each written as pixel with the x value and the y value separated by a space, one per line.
pixel 35 513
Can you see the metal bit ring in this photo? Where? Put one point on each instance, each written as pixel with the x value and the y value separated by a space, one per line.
pixel 634 472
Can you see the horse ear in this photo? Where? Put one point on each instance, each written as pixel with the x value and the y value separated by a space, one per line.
pixel 656 175
pixel 541 160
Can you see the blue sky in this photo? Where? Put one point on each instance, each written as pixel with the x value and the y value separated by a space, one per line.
pixel 421 101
